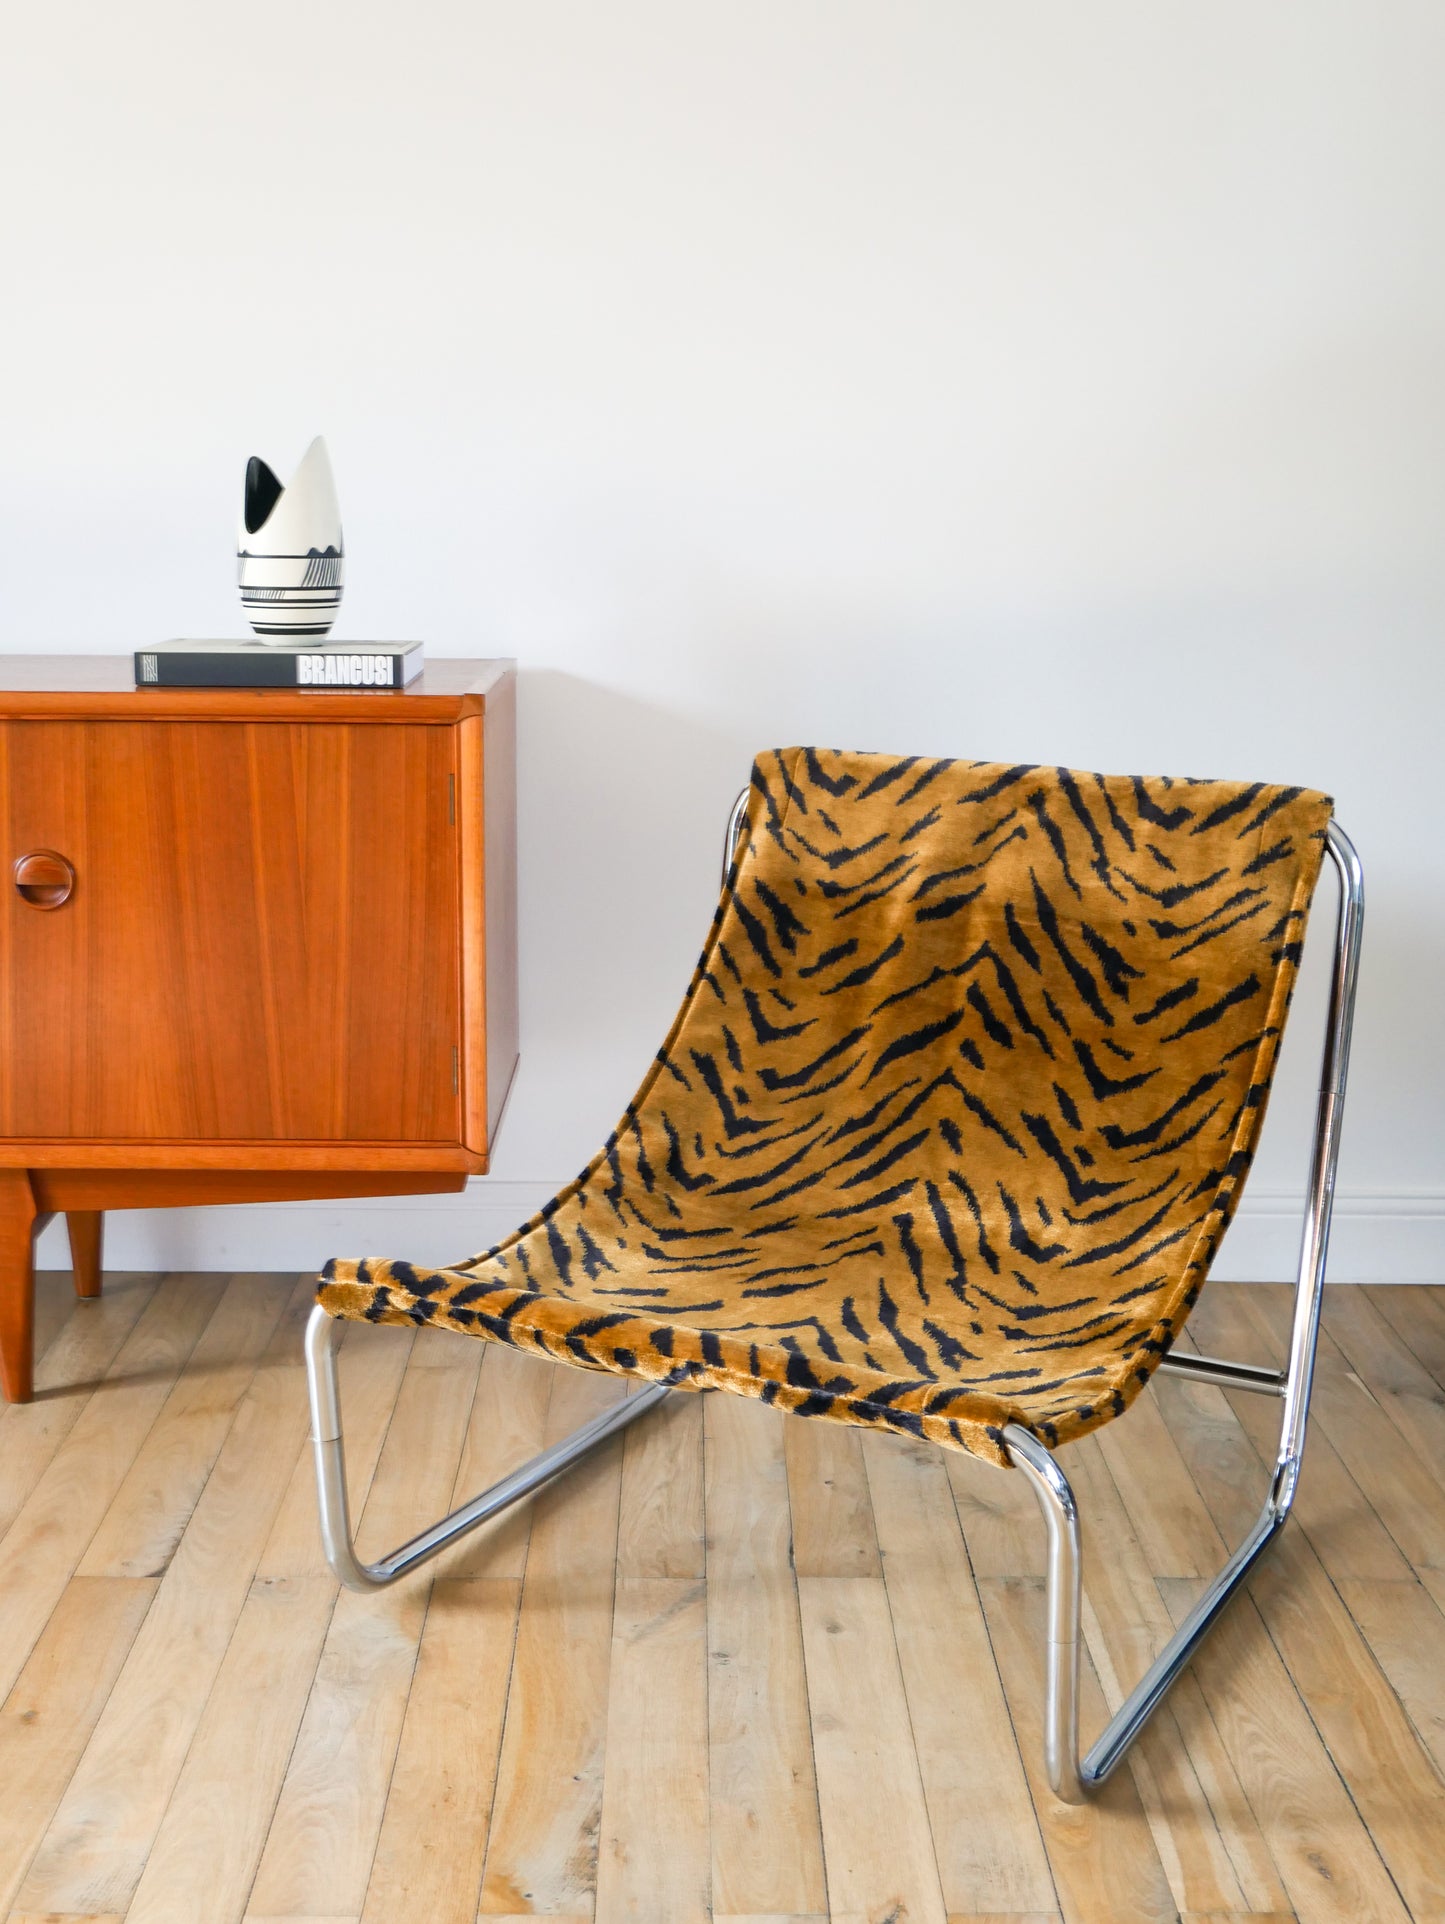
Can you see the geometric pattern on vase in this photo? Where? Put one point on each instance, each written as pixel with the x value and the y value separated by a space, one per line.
pixel 289 552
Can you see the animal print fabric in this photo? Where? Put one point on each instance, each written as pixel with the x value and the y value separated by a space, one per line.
pixel 955 1112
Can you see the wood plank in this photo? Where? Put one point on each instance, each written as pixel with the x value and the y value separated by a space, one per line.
pixel 66 1917
pixel 55 1302
pixel 49 1715
pixel 508 1425
pixel 1402 1485
pixel 1000 1520
pixel 1325 1857
pixel 1104 1860
pixel 1417 1317
pixel 654 1860
pixel 1405 1630
pixel 1005 1917
pixel 1329 1505
pixel 1391 1371
pixel 767 1847
pixel 139 1532
pixel 877 1845
pixel 660 1528
pixel 210 1840
pixel 87 1345
pixel 50 1534
pixel 319 1851
pixel 433 1838
pixel 1322 1751
pixel 542 1851
pixel 833 1533
pixel 1203 1829
pixel 986 1837
pixel 96 1848
pixel 1237 1917
pixel 1367 1735
pixel 1391 1779
pixel 1177 1534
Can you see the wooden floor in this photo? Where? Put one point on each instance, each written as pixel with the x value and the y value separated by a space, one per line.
pixel 738 1667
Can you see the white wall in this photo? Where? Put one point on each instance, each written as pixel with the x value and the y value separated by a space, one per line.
pixel 1034 381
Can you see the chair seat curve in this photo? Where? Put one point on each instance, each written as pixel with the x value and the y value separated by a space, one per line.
pixel 957 1107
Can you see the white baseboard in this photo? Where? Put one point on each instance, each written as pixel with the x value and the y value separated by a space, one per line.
pixel 1377 1238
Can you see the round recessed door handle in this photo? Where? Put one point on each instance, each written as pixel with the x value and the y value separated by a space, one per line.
pixel 43 878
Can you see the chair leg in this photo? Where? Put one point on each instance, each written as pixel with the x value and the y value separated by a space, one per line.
pixel 322 1333
pixel 1069 1777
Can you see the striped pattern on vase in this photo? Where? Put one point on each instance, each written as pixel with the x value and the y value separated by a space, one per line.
pixel 289 553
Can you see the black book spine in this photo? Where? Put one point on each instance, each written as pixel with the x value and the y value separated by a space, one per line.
pixel 268 668
pixel 155 669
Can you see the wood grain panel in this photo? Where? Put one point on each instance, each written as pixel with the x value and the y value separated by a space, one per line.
pixel 833 1531
pixel 31 1433
pixel 985 1835
pixel 1284 1777
pixel 51 1712
pixel 322 1841
pixel 547 1811
pixel 766 1841
pixel 433 1837
pixel 877 1846
pixel 205 1853
pixel 262 938
pixel 653 1860
pixel 97 1845
pixel 53 1527
pixel 499 875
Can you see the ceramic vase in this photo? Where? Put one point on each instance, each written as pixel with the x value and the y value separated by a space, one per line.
pixel 289 554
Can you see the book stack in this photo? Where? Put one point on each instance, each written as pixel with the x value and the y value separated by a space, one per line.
pixel 385 666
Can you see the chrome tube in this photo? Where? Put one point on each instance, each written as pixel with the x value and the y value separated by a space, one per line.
pixel 736 816
pixel 322 1333
pixel 1315 1240
pixel 1062 1593
pixel 1070 1778
pixel 1224 1376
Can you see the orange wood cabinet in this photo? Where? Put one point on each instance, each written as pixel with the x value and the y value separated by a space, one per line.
pixel 253 946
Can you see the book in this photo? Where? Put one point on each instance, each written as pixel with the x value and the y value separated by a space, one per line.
pixel 385 666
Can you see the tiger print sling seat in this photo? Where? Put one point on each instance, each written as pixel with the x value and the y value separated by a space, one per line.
pixel 955 1112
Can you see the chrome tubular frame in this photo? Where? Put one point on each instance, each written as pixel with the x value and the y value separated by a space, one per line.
pixel 322 1334
pixel 736 816
pixel 1070 1778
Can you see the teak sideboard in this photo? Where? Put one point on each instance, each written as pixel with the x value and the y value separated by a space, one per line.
pixel 255 946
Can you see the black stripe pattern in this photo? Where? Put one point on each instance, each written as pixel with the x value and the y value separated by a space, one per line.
pixel 954 1114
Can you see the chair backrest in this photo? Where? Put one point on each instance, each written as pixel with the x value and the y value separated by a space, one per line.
pixel 1011 1027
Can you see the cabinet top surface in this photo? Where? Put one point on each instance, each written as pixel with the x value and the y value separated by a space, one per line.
pixel 38 687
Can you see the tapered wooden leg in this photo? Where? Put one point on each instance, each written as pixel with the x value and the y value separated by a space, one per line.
pixel 85 1226
pixel 17 1286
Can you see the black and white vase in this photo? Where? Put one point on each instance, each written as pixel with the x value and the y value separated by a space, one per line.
pixel 289 554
